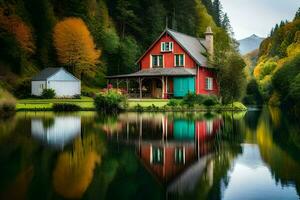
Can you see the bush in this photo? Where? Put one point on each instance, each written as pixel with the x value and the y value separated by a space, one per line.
pixel 110 102
pixel 23 89
pixel 48 94
pixel 7 104
pixel 77 96
pixel 58 107
pixel 193 99
pixel 174 102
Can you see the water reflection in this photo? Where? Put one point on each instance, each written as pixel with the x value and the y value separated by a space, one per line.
pixel 57 131
pixel 252 155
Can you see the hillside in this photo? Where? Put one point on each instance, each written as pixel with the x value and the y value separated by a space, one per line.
pixel 93 38
pixel 277 71
pixel 249 44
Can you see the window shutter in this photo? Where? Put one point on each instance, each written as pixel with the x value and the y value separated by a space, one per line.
pixel 171 46
pixel 163 46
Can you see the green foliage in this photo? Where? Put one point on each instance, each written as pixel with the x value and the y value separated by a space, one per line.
pixel 174 102
pixel 284 78
pixel 297 16
pixel 232 78
pixel 110 102
pixel 253 96
pixel 48 94
pixel 7 103
pixel 22 89
pixel 192 99
pixel 65 107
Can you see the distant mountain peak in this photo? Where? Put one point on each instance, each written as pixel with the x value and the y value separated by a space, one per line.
pixel 249 44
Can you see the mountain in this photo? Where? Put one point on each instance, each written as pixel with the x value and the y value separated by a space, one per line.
pixel 249 44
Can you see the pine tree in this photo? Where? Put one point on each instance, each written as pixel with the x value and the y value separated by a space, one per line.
pixel 209 6
pixel 297 16
pixel 226 23
pixel 217 12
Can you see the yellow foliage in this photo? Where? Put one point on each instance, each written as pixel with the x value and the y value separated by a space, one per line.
pixel 74 170
pixel 22 32
pixel 75 46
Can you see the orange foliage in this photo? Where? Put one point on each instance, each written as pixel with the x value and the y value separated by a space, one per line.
pixel 75 46
pixel 74 171
pixel 22 32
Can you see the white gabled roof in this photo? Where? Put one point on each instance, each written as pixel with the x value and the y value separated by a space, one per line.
pixel 46 73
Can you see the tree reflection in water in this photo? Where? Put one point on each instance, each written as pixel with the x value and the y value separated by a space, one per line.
pixel 74 169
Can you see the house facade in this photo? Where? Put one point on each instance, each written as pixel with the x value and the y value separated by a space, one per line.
pixel 174 65
pixel 61 81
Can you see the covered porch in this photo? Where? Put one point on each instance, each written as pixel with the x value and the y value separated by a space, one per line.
pixel 158 83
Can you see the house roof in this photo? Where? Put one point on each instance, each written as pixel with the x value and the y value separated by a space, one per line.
pixel 192 45
pixel 48 72
pixel 153 72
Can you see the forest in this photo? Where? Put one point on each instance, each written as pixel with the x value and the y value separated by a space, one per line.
pixel 276 76
pixel 95 38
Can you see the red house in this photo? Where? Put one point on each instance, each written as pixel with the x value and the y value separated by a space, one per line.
pixel 174 65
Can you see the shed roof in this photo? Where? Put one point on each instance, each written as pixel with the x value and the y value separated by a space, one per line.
pixel 48 72
pixel 153 72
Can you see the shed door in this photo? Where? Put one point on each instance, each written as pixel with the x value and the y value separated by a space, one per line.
pixel 183 85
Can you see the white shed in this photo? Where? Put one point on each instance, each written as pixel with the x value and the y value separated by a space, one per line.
pixel 62 82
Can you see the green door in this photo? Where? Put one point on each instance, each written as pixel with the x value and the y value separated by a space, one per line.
pixel 183 85
pixel 184 129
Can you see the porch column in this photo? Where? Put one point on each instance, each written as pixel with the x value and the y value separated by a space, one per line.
pixel 163 86
pixel 140 86
pixel 127 85
pixel 166 88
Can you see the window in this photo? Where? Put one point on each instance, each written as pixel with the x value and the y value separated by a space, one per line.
pixel 157 155
pixel 157 61
pixel 166 46
pixel 179 60
pixel 179 155
pixel 209 83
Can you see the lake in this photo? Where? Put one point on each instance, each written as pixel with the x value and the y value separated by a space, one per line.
pixel 253 155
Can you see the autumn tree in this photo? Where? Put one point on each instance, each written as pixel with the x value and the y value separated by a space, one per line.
pixel 75 46
pixel 18 28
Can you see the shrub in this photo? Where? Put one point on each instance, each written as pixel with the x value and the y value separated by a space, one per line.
pixel 58 107
pixel 110 102
pixel 7 104
pixel 138 108
pixel 23 89
pixel 192 99
pixel 48 94
pixel 174 102
pixel 77 96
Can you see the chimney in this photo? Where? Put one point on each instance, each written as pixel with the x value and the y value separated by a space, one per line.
pixel 209 40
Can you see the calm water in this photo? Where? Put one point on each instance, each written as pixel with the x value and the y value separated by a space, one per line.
pixel 254 155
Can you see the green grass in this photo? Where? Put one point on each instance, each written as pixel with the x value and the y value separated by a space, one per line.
pixel 147 102
pixel 85 103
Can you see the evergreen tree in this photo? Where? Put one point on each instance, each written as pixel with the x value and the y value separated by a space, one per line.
pixel 226 23
pixel 217 12
pixel 297 16
pixel 209 6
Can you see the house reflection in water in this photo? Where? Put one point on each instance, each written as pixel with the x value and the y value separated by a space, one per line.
pixel 168 146
pixel 56 132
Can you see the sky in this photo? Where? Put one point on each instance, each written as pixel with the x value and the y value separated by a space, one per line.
pixel 249 17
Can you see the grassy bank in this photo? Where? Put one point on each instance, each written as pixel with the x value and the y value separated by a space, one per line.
pixel 144 105
pixel 85 103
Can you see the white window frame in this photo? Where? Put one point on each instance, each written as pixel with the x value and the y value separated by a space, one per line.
pixel 175 64
pixel 163 47
pixel 151 61
pixel 209 82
